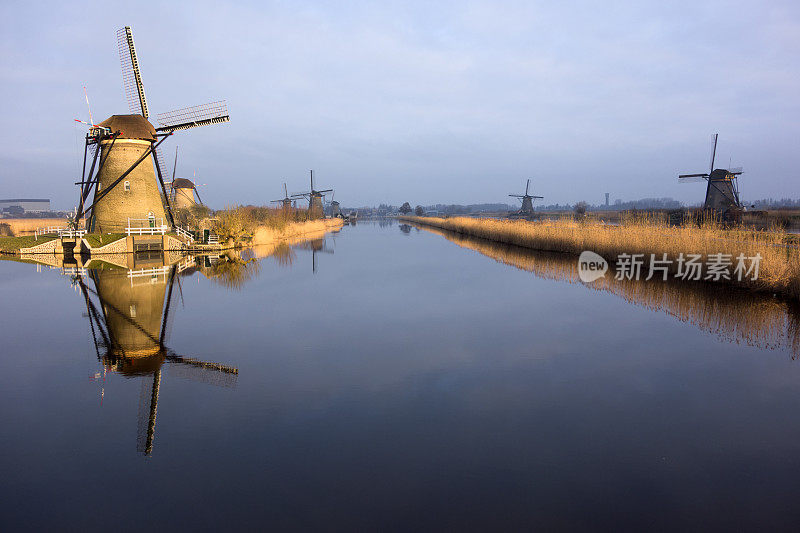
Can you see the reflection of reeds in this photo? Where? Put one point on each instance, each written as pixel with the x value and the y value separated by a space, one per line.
pixel 233 272
pixel 284 254
pixel 734 315
pixel 779 266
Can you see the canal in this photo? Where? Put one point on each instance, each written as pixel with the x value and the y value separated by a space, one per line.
pixel 391 377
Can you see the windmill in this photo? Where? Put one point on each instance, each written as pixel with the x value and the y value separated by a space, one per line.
pixel 122 143
pixel 722 188
pixel 314 199
pixel 286 201
pixel 183 190
pixel 336 211
pixel 527 200
pixel 129 321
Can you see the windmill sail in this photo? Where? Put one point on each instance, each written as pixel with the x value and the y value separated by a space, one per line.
pixel 203 371
pixel 146 418
pixel 131 76
pixel 193 117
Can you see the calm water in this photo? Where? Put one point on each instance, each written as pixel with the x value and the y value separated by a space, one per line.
pixel 393 378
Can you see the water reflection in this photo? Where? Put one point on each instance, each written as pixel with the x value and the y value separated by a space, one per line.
pixel 316 245
pixel 732 315
pixel 284 251
pixel 129 312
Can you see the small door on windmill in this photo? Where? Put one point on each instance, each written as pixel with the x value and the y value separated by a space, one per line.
pixel 151 219
pixel 205 236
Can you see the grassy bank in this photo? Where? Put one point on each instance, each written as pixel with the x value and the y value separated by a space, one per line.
pixel 13 244
pixel 96 240
pixel 779 268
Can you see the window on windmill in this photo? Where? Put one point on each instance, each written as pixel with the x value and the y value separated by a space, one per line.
pixel 127 186
pixel 133 310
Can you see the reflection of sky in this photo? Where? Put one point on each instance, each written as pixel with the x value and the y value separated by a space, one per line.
pixel 417 102
pixel 408 382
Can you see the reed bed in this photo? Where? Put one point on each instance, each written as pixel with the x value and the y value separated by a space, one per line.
pixel 252 226
pixel 779 266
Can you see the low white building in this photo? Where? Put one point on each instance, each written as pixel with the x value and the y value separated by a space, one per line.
pixel 29 205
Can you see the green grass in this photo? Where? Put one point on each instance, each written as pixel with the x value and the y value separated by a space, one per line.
pixel 13 244
pixel 96 240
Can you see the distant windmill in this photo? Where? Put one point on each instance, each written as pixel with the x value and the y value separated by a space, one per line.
pixel 336 211
pixel 286 201
pixel 129 321
pixel 183 189
pixel 527 200
pixel 314 199
pixel 722 189
pixel 127 141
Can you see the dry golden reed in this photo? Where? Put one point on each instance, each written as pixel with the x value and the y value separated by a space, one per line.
pixel 779 269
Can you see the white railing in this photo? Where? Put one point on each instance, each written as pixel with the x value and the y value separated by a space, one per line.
pixel 213 238
pixel 60 231
pixel 51 230
pixel 184 233
pixel 186 263
pixel 152 273
pixel 72 233
pixel 73 271
pixel 146 226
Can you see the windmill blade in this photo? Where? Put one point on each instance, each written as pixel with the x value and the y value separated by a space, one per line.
pixel 682 176
pixel 526 187
pixel 162 164
pixel 531 196
pixel 324 191
pixel 691 179
pixel 202 371
pixel 517 195
pixel 148 408
pixel 175 165
pixel 131 76
pixel 714 153
pixel 193 117
pixel 285 190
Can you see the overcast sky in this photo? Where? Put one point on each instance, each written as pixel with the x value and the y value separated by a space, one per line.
pixel 445 102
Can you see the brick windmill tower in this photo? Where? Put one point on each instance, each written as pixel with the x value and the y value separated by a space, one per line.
pixel 128 186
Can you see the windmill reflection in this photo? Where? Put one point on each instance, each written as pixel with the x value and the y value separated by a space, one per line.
pixel 316 245
pixel 129 315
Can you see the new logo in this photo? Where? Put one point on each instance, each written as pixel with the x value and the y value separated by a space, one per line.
pixel 591 266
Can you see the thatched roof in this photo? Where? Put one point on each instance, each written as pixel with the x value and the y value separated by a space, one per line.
pixel 130 127
pixel 182 183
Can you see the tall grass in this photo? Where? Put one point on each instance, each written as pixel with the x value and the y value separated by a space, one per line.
pixel 779 269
